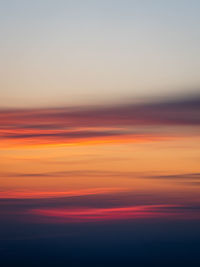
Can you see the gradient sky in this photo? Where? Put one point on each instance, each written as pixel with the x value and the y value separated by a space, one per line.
pixel 100 133
pixel 82 52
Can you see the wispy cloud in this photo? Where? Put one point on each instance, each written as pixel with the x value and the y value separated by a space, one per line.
pixel 100 214
pixel 68 125
pixel 107 173
pixel 57 194
pixel 94 205
pixel 183 176
pixel 110 214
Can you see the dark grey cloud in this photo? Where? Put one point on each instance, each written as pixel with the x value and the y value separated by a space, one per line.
pixel 69 135
pixel 184 176
pixel 181 112
pixel 105 121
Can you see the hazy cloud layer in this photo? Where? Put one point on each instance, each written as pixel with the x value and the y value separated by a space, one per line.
pixel 70 124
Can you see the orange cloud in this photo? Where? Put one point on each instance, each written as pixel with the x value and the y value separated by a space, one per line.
pixel 47 194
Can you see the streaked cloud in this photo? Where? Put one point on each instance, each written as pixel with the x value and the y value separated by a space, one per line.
pixel 57 194
pixel 183 176
pixel 94 205
pixel 101 173
pixel 103 214
pixel 130 122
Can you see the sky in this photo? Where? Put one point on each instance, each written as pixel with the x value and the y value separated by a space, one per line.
pixel 99 133
pixel 81 52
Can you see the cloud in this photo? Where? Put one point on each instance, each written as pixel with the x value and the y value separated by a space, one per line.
pixel 109 214
pixel 195 177
pixel 126 121
pixel 183 176
pixel 73 173
pixel 94 205
pixel 57 194
pixel 62 135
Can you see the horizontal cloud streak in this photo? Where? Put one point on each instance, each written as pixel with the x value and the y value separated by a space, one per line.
pixel 58 194
pixel 94 205
pixel 68 125
pixel 184 176
pixel 100 173
pixel 70 135
pixel 109 214
pixel 100 214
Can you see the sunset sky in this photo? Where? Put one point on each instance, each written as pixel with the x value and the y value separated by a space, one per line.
pixel 100 133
